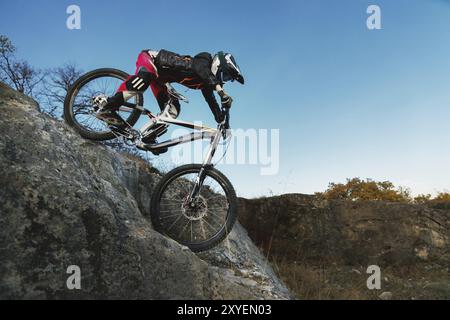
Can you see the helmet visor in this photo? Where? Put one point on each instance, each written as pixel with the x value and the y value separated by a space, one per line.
pixel 226 77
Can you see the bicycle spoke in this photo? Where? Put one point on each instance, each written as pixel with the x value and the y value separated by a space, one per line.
pixel 170 212
pixel 208 224
pixel 184 228
pixel 202 225
pixel 83 110
pixel 197 223
pixel 170 228
pixel 171 201
pixel 171 204
pixel 213 213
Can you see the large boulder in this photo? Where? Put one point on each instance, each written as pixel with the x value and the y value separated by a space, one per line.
pixel 67 201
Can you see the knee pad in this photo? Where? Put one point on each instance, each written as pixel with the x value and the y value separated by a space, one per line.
pixel 139 82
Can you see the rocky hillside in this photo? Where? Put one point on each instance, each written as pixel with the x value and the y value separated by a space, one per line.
pixel 67 201
pixel 322 248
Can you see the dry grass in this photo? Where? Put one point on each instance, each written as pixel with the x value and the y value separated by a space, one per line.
pixel 335 282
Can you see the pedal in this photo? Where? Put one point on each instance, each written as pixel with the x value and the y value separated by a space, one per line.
pixel 141 146
pixel 160 132
pixel 149 138
pixel 159 151
pixel 145 147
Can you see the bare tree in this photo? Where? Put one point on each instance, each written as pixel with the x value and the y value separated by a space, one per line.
pixel 49 87
pixel 53 92
pixel 55 86
pixel 19 74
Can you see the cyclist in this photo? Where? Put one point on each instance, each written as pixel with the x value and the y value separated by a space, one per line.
pixel 155 69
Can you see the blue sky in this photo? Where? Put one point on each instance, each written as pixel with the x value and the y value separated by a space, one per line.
pixel 349 102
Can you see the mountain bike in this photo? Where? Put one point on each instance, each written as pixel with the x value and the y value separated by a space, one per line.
pixel 195 204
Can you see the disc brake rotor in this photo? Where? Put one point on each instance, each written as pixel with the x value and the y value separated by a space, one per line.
pixel 196 210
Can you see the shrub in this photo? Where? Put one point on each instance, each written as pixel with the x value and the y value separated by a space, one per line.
pixel 441 201
pixel 357 189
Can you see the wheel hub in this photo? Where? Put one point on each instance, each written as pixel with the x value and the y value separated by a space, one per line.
pixel 196 209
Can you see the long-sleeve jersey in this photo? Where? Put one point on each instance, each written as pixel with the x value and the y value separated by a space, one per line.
pixel 192 72
pixel 154 69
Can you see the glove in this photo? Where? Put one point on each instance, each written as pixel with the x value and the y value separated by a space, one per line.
pixel 227 101
pixel 219 116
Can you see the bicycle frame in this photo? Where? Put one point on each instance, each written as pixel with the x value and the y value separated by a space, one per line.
pixel 203 133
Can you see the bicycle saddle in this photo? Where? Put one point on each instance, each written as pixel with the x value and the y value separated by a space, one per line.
pixel 175 94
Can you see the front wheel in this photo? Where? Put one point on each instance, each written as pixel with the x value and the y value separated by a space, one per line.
pixel 203 223
pixel 79 111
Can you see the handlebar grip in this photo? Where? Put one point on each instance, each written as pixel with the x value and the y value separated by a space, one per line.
pixel 227 116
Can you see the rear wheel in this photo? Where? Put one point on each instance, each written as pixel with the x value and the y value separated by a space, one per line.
pixel 202 224
pixel 79 111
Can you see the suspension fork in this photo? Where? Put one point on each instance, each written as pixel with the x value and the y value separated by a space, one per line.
pixel 206 164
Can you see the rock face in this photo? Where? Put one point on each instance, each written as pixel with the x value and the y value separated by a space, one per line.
pixel 67 201
pixel 324 248
pixel 303 227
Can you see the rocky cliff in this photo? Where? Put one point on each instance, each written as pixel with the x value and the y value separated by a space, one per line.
pixel 67 201
pixel 323 248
